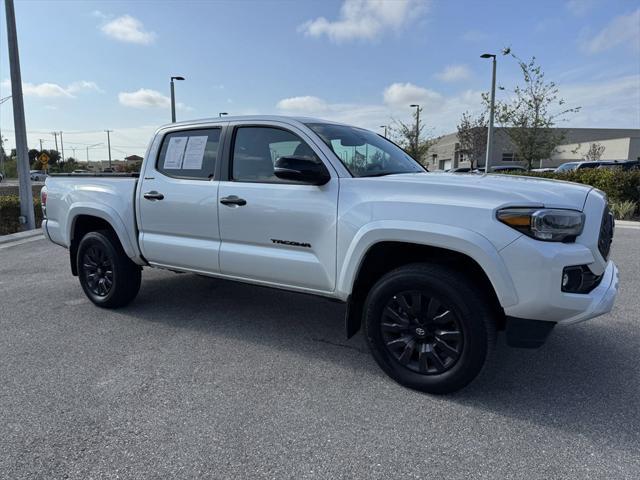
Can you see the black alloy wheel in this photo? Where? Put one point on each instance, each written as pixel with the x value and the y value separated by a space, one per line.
pixel 421 333
pixel 98 270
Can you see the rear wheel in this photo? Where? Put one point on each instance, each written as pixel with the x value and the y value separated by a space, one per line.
pixel 107 276
pixel 428 328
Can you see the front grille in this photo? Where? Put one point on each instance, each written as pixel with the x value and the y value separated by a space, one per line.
pixel 606 233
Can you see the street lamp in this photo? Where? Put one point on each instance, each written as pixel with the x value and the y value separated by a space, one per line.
pixel 385 130
pixel 417 107
pixel 91 146
pixel 173 99
pixel 222 114
pixel 492 107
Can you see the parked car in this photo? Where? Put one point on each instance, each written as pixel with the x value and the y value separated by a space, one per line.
pixel 622 165
pixel 543 170
pixel 503 169
pixel 460 170
pixel 38 175
pixel 289 203
pixel 570 166
pixel 80 170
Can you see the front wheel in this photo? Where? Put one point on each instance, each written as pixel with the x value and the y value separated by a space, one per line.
pixel 107 276
pixel 428 327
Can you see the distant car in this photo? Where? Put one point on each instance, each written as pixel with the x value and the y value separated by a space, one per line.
pixel 631 165
pixel 1 176
pixel 80 170
pixel 38 175
pixel 571 166
pixel 503 169
pixel 460 170
pixel 107 170
pixel 543 170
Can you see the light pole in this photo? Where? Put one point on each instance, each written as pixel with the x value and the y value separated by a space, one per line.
pixel 417 107
pixel 385 130
pixel 173 99
pixel 492 107
pixel 27 214
pixel 221 114
pixel 91 146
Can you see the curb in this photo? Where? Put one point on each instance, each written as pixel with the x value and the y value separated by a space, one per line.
pixel 14 237
pixel 627 223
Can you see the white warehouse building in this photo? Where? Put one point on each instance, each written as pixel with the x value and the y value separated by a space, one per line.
pixel 619 144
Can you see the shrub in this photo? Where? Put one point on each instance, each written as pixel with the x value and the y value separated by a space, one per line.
pixel 10 211
pixel 623 210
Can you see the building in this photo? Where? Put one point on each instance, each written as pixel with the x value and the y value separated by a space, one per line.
pixel 620 144
pixel 133 158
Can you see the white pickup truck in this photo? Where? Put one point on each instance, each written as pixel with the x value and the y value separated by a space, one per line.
pixel 431 265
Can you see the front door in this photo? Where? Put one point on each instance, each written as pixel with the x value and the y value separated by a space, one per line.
pixel 178 207
pixel 273 230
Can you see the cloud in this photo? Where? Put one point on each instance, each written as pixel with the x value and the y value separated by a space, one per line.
pixel 441 114
pixel 454 73
pixel 53 90
pixel 403 94
pixel 624 29
pixel 302 104
pixel 365 19
pixel 610 103
pixel 147 98
pixel 128 29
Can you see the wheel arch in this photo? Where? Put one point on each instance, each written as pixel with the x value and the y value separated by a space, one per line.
pixel 375 253
pixel 88 220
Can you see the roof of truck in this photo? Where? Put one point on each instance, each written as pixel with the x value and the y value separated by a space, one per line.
pixel 245 118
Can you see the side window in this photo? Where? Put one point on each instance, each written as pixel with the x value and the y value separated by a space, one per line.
pixel 256 149
pixel 189 154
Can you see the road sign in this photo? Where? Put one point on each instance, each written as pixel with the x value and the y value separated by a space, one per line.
pixel 44 159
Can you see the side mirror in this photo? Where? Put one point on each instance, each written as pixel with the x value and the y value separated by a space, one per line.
pixel 301 169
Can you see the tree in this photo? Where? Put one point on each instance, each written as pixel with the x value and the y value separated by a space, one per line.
pixel 472 136
pixel 531 113
pixel 595 152
pixel 404 134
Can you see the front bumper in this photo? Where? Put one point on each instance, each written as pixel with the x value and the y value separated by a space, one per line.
pixel 536 271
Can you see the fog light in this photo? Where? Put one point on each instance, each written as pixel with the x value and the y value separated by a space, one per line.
pixel 579 279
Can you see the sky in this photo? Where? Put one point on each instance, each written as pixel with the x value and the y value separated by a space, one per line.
pixel 88 66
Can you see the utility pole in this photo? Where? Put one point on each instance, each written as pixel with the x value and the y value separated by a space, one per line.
pixel 417 144
pixel 55 135
pixel 173 98
pixel 109 145
pixel 41 140
pixel 27 216
pixel 62 148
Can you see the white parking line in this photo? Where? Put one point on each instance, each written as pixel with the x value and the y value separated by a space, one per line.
pixel 630 227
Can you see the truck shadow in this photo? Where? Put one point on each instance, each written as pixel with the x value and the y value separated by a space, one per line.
pixel 584 381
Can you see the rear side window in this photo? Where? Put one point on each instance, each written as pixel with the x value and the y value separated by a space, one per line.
pixel 190 154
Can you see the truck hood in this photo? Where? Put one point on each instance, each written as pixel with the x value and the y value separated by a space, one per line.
pixel 498 189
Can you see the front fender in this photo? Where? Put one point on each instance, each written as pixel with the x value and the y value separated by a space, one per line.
pixel 448 237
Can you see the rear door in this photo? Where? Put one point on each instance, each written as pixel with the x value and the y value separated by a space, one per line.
pixel 178 207
pixel 277 231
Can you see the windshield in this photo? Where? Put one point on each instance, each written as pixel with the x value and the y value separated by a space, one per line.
pixel 364 153
pixel 565 167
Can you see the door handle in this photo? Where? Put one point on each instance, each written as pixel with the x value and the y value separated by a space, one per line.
pixel 233 200
pixel 153 195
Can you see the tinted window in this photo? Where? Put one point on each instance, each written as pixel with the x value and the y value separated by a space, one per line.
pixel 256 149
pixel 190 154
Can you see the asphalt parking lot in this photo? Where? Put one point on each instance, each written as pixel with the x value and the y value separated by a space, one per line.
pixel 201 377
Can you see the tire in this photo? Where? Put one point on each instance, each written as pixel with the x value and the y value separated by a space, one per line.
pixel 428 328
pixel 107 276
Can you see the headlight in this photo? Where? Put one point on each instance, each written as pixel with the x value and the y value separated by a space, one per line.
pixel 552 225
